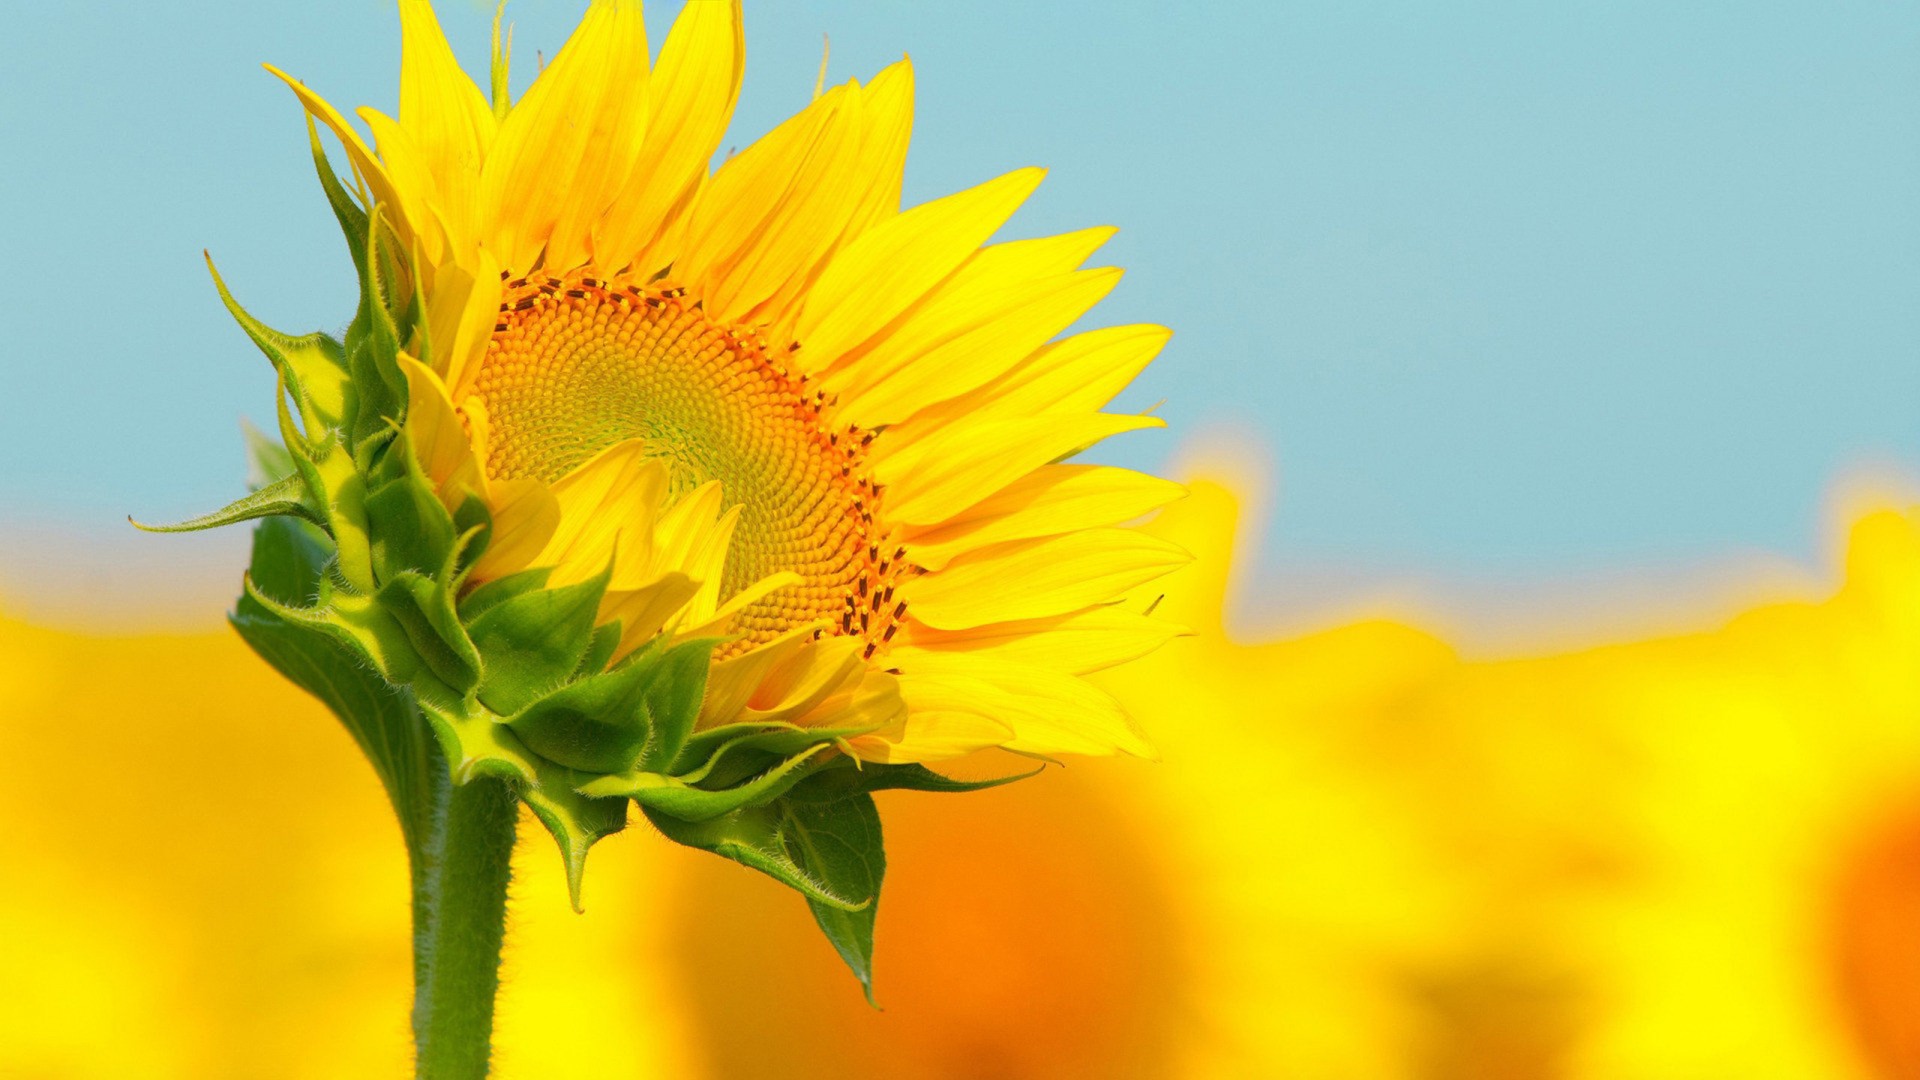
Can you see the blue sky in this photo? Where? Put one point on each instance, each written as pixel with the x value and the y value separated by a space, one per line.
pixel 1503 289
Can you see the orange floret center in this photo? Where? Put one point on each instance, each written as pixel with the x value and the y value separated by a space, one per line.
pixel 578 363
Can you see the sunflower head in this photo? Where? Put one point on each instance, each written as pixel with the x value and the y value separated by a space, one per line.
pixel 736 493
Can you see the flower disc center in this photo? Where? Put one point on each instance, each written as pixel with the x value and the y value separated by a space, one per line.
pixel 577 364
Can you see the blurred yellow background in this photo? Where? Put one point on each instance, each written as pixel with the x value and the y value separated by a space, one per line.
pixel 1360 856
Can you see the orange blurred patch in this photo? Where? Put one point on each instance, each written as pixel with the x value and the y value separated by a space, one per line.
pixel 1027 931
pixel 1876 939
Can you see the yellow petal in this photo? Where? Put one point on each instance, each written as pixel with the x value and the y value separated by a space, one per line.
pixel 1009 328
pixel 525 515
pixel 444 112
pixel 938 477
pixel 1033 579
pixel 771 214
pixel 874 704
pixel 1050 712
pixel 414 186
pixel 717 622
pixel 887 105
pixel 693 535
pixel 802 680
pixel 1050 500
pixel 365 166
pixel 888 269
pixel 524 512
pixel 865 187
pixel 438 438
pixel 944 720
pixel 607 504
pixel 691 95
pixel 990 280
pixel 568 146
pixel 1088 640
pixel 462 311
pixel 644 612
pixel 1077 375
pixel 731 682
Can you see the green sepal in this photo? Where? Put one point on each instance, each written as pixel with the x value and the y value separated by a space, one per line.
pixel 600 649
pixel 373 340
pixel 424 609
pixel 369 627
pixel 829 851
pixel 673 702
pixel 605 723
pixel 841 842
pixel 475 744
pixel 844 777
pixel 670 795
pixel 371 347
pixel 576 821
pixel 284 497
pixel 760 837
pixel 531 643
pixel 407 526
pixel 340 489
pixel 474 524
pixel 704 751
pixel 352 625
pixel 352 219
pixel 497 75
pixel 477 602
pixel 312 365
pixel 289 563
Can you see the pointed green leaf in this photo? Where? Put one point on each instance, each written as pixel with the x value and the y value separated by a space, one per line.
pixel 707 750
pixel 374 338
pixel 576 821
pixel 599 724
pixel 283 497
pixel 480 600
pixel 606 638
pixel 633 714
pixel 287 565
pixel 690 803
pixel 840 843
pixel 531 643
pixel 756 837
pixel 337 484
pixel 408 529
pixel 312 365
pixel 355 622
pixel 474 522
pixel 289 558
pixel 673 699
pixel 352 219
pixel 829 851
pixel 845 777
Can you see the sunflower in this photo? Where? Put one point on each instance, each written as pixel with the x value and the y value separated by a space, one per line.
pixel 778 407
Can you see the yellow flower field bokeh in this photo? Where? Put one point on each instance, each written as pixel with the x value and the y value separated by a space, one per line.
pixel 1359 856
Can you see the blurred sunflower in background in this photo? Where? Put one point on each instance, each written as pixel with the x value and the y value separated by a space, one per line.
pixel 1667 858
pixel 780 409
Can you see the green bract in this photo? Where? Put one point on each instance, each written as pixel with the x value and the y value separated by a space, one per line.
pixel 358 592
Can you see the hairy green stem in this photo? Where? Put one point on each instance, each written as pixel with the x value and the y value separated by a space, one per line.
pixel 460 873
